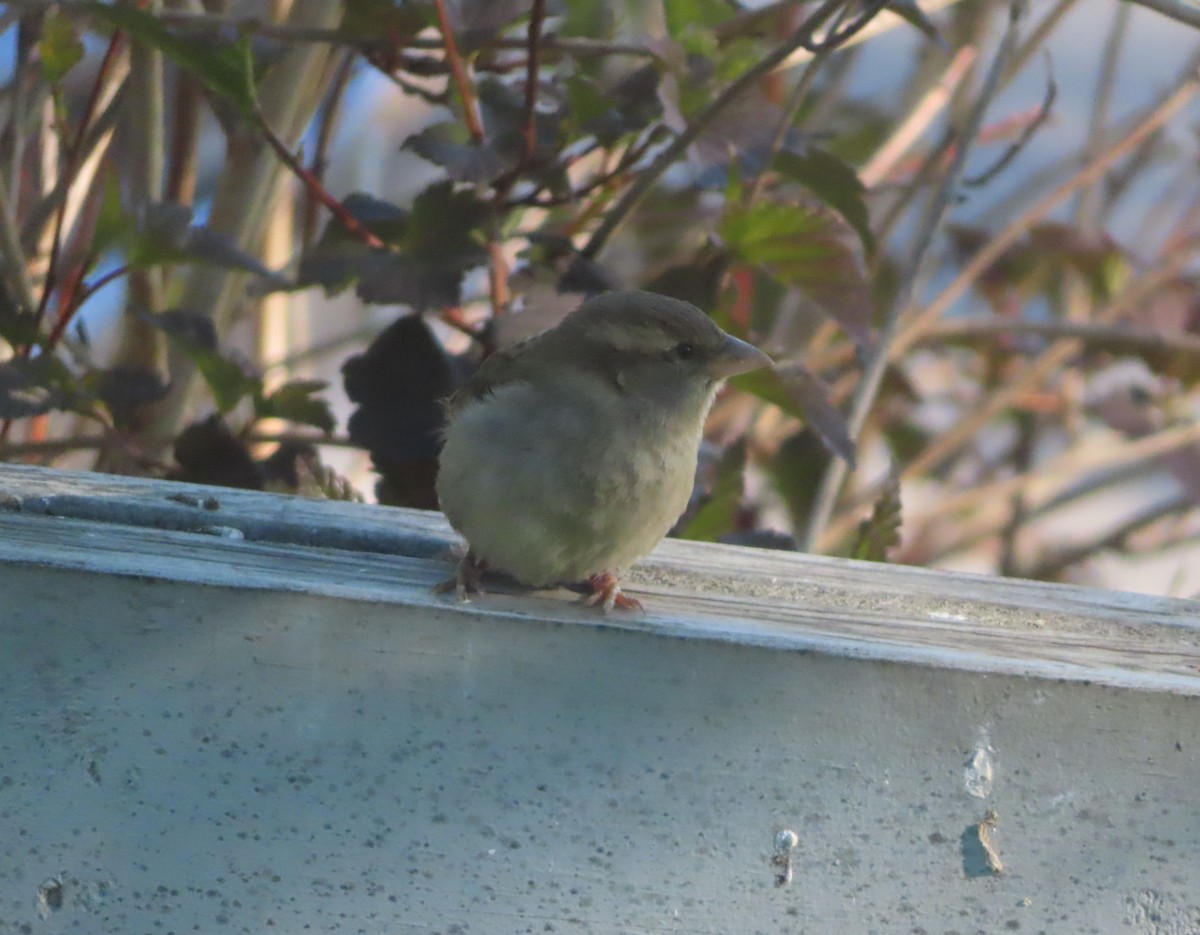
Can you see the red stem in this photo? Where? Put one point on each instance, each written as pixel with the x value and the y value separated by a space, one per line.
pixel 458 71
pixel 318 191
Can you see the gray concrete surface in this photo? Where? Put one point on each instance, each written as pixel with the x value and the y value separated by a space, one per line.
pixel 348 754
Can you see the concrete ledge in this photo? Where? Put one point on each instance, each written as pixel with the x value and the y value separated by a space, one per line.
pixel 287 730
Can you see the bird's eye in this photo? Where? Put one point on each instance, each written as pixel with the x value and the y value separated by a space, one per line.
pixel 685 350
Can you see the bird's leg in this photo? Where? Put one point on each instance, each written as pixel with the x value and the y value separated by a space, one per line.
pixel 468 578
pixel 607 594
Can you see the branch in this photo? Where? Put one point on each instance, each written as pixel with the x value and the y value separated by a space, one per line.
pixel 634 195
pixel 533 44
pixel 1051 566
pixel 458 72
pixel 1180 12
pixel 72 166
pixel 12 256
pixel 868 387
pixel 315 189
pixel 1014 148
pixel 985 329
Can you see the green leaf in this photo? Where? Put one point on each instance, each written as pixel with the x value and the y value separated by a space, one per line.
pixel 716 516
pixel 295 401
pixel 60 49
pixel 796 470
pixel 17 328
pixel 881 532
pixel 834 182
pixel 799 393
pixel 804 245
pixel 226 70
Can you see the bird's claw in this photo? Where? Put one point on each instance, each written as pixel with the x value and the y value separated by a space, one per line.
pixel 467 580
pixel 607 594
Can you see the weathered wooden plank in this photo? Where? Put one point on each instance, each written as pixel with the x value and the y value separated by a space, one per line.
pixel 132 526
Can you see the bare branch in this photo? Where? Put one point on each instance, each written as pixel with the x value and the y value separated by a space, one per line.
pixel 1174 9
pixel 872 378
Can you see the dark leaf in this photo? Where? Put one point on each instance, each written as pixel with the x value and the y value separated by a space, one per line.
pixel 434 243
pixel 502 107
pixel 164 234
pixel 761 539
pixel 226 70
pixel 697 281
pixel 207 452
pixel 59 48
pixel 198 330
pixel 881 532
pixel 717 513
pixel 296 401
pixel 797 391
pixel 450 146
pixel 796 471
pixel 1095 256
pixel 477 22
pixel 398 384
pixel 390 278
pixel 804 245
pixel 833 181
pixel 19 329
pixel 227 379
pixel 30 386
pixel 295 468
pixel 610 111
pixel 746 128
pixel 125 388
pixel 386 20
pixel 587 277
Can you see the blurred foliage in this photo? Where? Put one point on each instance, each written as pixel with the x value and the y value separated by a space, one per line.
pixel 583 146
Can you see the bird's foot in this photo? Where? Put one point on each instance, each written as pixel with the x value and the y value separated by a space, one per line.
pixel 467 580
pixel 607 594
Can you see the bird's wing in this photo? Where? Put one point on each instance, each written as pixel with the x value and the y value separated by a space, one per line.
pixel 500 367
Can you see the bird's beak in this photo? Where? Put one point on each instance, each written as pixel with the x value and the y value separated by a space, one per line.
pixel 737 357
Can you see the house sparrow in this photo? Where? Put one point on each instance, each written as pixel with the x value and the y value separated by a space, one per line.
pixel 571 454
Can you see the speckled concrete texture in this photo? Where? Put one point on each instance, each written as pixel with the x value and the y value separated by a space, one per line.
pixel 177 758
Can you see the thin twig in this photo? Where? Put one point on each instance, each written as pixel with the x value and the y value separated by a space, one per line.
pixel 790 110
pixel 872 378
pixel 325 125
pixel 1031 127
pixel 1054 564
pixel 1174 9
pixel 16 272
pixel 969 426
pixel 72 164
pixel 985 329
pixel 648 177
pixel 918 322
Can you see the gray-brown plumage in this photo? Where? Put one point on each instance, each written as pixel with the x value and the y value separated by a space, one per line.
pixel 573 453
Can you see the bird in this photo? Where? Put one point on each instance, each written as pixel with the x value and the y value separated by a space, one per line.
pixel 571 454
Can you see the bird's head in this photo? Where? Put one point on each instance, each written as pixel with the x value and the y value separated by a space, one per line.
pixel 652 344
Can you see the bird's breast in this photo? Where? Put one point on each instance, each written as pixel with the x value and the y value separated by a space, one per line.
pixel 559 487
